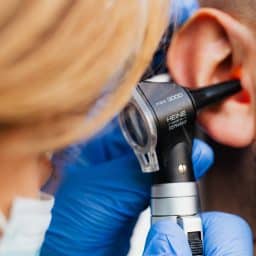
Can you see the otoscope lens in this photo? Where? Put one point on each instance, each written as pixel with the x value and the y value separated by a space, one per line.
pixel 135 125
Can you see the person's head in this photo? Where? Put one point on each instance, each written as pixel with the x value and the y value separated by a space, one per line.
pixel 67 67
pixel 216 44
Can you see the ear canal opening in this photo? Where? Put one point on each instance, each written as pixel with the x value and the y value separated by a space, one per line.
pixel 223 70
pixel 227 64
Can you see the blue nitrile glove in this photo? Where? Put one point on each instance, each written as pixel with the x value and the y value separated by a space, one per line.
pixel 101 194
pixel 224 234
pixel 182 10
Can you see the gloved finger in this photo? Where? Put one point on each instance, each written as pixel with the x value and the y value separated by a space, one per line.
pixel 202 158
pixel 182 10
pixel 166 238
pixel 124 174
pixel 97 207
pixel 226 234
pixel 113 145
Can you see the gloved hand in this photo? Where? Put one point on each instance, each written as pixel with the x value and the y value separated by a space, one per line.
pixel 224 234
pixel 101 194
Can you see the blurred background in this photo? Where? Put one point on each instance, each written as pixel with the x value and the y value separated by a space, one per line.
pixel 231 184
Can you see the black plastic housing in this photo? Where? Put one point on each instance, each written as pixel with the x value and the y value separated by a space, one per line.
pixel 175 115
pixel 175 110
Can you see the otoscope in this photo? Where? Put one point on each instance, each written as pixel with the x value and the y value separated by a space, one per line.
pixel 159 123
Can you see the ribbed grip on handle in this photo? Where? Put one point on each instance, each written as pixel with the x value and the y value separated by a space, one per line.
pixel 195 243
pixel 179 202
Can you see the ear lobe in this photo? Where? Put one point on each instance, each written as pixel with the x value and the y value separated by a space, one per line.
pixel 202 53
pixel 230 123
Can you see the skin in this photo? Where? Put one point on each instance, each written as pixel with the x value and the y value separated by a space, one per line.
pixel 22 176
pixel 210 48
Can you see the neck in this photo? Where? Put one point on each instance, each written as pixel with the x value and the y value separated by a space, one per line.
pixel 21 176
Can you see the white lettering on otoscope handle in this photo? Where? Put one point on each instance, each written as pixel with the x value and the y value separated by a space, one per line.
pixel 170 99
pixel 176 120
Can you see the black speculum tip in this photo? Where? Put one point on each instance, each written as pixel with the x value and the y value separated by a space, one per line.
pixel 213 94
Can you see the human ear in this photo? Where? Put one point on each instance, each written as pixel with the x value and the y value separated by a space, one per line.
pixel 211 48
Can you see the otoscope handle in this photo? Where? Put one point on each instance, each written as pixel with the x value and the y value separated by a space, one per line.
pixel 192 226
pixel 179 202
pixel 174 194
pixel 158 124
pixel 175 162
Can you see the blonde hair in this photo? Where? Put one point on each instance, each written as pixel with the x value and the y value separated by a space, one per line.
pixel 57 59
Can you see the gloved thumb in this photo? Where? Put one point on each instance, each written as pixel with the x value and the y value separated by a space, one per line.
pixel 166 238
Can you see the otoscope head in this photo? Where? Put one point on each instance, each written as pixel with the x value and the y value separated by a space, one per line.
pixel 161 114
pixel 209 95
